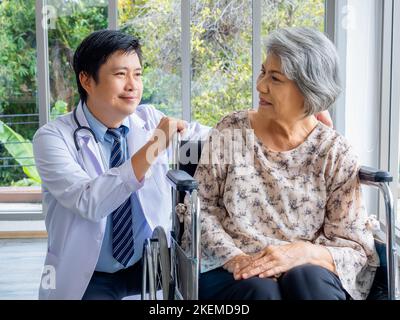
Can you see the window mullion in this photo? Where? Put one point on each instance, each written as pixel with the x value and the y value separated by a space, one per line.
pixel 186 61
pixel 394 132
pixel 256 48
pixel 43 83
pixel 112 14
pixel 335 19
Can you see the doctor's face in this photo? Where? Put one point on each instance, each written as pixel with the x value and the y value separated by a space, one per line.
pixel 119 87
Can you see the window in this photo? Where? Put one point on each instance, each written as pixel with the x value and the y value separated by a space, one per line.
pixel 390 101
pixel 358 34
pixel 220 54
pixel 19 119
pixel 158 25
pixel 395 113
pixel 221 39
pixel 218 63
pixel 295 13
pixel 221 65
pixel 69 23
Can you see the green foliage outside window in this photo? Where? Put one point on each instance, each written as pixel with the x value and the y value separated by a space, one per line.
pixel 220 45
pixel 18 87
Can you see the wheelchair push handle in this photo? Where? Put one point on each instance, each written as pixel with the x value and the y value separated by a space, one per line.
pixel 368 174
pixel 176 142
pixel 182 181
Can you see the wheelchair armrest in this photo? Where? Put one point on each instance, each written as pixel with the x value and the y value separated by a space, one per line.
pixel 182 181
pixel 368 174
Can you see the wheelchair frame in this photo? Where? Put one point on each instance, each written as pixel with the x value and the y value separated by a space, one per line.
pixel 381 179
pixel 183 270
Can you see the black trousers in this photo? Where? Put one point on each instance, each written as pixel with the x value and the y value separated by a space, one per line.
pixel 115 286
pixel 306 282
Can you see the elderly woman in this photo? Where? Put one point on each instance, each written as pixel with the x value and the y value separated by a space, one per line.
pixel 290 223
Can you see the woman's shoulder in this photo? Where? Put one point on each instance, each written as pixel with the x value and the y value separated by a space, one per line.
pixel 335 145
pixel 234 120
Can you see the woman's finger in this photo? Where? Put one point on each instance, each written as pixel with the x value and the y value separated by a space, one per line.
pixel 240 266
pixel 273 272
pixel 265 259
pixel 261 266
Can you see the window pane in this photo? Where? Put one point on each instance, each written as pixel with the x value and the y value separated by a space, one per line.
pixel 292 13
pixel 362 25
pixel 18 108
pixel 158 25
pixel 221 38
pixel 398 188
pixel 221 51
pixel 69 23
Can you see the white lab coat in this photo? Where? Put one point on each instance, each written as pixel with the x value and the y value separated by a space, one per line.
pixel 79 191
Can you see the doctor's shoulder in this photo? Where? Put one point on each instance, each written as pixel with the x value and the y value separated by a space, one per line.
pixel 62 126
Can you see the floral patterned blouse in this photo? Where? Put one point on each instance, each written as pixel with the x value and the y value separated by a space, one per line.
pixel 311 193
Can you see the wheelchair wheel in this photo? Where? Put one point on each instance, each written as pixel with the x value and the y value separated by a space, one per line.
pixel 161 260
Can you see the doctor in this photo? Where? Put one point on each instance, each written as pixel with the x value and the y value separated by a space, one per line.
pixel 103 170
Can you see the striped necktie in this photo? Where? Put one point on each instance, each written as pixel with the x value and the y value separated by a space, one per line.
pixel 122 235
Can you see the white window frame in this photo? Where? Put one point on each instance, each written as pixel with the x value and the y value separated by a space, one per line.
pixel 392 46
pixel 388 113
pixel 390 102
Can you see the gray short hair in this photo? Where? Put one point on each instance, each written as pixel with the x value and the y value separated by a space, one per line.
pixel 310 59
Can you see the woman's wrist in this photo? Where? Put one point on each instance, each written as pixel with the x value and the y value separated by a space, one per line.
pixel 320 256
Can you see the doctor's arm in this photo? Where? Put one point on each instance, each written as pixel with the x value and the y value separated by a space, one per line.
pixel 197 131
pixel 63 175
pixel 143 159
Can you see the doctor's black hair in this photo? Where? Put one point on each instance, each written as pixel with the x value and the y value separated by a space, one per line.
pixel 96 48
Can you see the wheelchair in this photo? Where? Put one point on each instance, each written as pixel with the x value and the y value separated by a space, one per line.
pixel 173 274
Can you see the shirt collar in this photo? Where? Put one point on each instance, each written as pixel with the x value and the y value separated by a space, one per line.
pixel 100 129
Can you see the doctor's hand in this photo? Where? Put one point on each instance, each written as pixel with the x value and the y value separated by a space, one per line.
pixel 146 156
pixel 165 130
pixel 325 118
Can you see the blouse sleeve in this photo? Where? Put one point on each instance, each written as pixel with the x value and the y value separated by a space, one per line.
pixel 217 247
pixel 345 232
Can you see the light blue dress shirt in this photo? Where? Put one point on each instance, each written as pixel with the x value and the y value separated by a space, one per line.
pixel 141 229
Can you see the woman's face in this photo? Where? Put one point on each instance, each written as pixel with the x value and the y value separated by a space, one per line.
pixel 278 95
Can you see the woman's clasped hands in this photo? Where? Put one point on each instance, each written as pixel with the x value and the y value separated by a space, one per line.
pixel 269 262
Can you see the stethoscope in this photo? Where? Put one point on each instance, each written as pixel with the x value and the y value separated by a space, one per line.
pixel 79 127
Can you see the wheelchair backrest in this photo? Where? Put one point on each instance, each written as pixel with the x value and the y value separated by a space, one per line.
pixel 189 155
